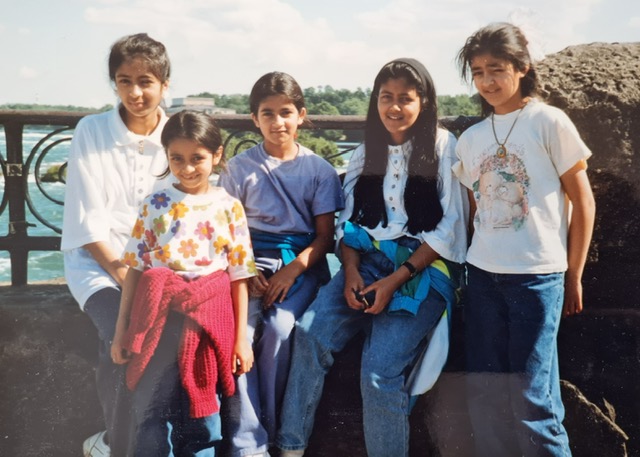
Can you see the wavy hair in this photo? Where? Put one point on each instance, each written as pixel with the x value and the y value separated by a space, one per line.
pixel 503 41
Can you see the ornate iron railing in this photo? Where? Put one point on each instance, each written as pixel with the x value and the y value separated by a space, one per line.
pixel 21 168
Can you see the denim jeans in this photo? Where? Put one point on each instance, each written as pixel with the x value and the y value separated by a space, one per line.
pixel 115 399
pixel 511 328
pixel 163 425
pixel 251 417
pixel 392 344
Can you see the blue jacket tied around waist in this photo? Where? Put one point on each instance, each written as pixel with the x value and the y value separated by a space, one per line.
pixel 441 275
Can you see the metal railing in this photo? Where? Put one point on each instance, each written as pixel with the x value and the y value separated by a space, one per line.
pixel 20 167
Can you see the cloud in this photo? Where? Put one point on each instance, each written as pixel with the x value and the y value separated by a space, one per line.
pixel 635 22
pixel 28 72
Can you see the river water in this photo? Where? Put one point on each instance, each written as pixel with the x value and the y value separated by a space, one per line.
pixel 46 265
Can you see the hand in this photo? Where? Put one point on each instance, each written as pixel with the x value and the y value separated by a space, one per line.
pixel 572 298
pixel 384 290
pixel 353 281
pixel 242 359
pixel 258 285
pixel 279 285
pixel 119 355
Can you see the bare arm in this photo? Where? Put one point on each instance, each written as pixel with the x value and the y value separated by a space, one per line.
pixel 472 213
pixel 283 279
pixel 118 354
pixel 242 359
pixel 576 184
pixel 108 260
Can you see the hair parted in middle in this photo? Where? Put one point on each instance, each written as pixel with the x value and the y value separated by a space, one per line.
pixel 421 196
pixel 503 41
pixel 275 83
pixel 195 126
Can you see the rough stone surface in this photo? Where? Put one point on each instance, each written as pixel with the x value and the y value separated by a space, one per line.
pixel 598 86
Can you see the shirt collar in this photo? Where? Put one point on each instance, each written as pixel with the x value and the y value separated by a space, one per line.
pixel 123 136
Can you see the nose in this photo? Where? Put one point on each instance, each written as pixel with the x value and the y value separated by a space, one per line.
pixel 487 79
pixel 136 90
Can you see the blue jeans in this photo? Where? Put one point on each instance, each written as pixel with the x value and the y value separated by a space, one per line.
pixel 392 344
pixel 253 411
pixel 511 328
pixel 163 425
pixel 115 399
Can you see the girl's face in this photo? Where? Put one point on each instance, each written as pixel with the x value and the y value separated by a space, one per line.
pixel 278 120
pixel 139 90
pixel 192 164
pixel 498 82
pixel 399 106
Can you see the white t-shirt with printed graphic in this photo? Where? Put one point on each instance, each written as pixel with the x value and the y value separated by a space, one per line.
pixel 521 222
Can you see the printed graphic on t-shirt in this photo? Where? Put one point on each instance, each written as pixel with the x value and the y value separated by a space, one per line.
pixel 501 191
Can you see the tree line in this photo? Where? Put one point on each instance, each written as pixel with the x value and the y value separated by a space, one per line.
pixel 321 100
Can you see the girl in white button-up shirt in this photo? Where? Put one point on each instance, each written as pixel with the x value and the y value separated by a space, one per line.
pixel 114 160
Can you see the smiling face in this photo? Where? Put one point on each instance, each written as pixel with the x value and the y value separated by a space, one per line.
pixel 498 82
pixel 278 120
pixel 139 90
pixel 192 164
pixel 399 106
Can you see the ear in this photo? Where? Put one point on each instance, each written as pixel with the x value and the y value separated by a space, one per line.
pixel 217 156
pixel 165 86
pixel 254 118
pixel 301 115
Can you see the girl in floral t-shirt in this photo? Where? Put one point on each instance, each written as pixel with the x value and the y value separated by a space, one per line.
pixel 190 257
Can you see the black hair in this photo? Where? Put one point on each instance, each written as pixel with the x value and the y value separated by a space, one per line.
pixel 421 196
pixel 275 83
pixel 503 41
pixel 140 46
pixel 192 125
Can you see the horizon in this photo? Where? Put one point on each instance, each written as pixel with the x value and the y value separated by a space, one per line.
pixel 58 50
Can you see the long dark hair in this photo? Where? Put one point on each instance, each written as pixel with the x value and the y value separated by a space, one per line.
pixel 421 197
pixel 503 41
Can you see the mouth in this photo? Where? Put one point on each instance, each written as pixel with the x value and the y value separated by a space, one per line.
pixel 394 118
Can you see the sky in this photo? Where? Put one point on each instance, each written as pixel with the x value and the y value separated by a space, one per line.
pixel 56 52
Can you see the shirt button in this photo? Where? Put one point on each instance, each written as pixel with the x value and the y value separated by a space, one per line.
pixel 393 186
pixel 393 208
pixel 390 199
pixel 139 191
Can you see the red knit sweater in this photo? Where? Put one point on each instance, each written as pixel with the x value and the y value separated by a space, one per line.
pixel 208 333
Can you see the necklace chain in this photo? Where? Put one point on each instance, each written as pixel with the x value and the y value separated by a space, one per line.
pixel 501 152
pixel 402 164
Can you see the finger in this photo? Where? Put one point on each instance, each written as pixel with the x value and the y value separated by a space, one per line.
pixel 234 364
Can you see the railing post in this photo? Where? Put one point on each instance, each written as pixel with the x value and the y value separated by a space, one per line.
pixel 15 186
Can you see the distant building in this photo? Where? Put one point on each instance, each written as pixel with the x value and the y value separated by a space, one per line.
pixel 205 104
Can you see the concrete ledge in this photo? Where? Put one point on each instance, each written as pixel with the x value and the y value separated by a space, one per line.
pixel 49 405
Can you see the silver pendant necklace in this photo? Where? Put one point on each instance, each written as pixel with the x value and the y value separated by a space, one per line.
pixel 501 152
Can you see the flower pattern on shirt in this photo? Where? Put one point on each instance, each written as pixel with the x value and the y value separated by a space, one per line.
pixel 192 234
pixel 160 200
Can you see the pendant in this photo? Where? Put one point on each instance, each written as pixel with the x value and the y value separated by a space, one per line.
pixel 396 175
pixel 501 152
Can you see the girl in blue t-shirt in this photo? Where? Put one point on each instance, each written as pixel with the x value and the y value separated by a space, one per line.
pixel 290 196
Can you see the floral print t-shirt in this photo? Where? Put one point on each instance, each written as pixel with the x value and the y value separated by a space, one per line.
pixel 194 235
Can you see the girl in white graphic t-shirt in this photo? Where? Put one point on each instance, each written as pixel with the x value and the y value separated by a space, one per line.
pixel 525 167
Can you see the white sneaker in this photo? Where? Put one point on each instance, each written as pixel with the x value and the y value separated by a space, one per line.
pixel 94 446
pixel 297 453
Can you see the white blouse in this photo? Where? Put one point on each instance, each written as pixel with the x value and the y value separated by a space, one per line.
pixel 449 238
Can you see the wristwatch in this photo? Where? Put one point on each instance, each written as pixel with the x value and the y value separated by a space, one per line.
pixel 413 272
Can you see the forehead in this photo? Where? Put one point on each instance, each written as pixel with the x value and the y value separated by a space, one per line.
pixel 134 67
pixel 488 61
pixel 276 102
pixel 398 86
